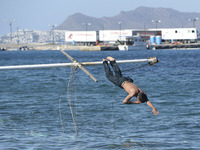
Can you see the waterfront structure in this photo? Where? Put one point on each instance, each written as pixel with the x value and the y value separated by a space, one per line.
pixel 185 35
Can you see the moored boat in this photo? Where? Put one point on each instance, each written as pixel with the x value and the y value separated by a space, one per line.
pixel 132 43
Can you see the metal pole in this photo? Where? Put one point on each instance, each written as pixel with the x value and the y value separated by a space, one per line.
pixel 156 25
pixel 103 32
pixel 120 29
pixel 52 31
pixel 11 32
pixel 18 36
pixel 10 28
pixel 86 34
pixel 193 21
pixel 157 21
pixel 53 35
pixel 58 65
pixel 86 28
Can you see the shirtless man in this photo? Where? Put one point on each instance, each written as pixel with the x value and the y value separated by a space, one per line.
pixel 127 84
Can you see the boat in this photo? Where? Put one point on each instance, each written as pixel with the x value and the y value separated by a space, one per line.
pixel 132 43
pixel 3 49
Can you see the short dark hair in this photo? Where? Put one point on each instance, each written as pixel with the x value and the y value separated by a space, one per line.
pixel 142 97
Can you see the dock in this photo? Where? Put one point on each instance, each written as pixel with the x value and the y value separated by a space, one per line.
pixel 92 48
pixel 48 46
pixel 176 46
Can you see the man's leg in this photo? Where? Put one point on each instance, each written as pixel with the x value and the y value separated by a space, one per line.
pixel 115 66
pixel 107 68
pixel 109 73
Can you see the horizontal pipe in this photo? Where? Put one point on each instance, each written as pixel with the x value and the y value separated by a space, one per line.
pixel 45 66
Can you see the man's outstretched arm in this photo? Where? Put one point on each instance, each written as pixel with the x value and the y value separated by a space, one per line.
pixel 153 107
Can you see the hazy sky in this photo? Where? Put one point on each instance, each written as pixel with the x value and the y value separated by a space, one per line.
pixel 38 14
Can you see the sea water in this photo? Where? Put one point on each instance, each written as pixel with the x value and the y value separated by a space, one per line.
pixel 32 102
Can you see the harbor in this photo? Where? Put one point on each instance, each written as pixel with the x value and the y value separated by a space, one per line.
pixel 111 40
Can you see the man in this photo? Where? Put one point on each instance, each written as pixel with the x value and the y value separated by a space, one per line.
pixel 127 84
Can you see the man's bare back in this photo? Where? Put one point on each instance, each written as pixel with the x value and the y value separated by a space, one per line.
pixel 131 89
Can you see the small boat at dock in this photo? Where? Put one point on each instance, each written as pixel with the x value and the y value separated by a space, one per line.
pixel 132 43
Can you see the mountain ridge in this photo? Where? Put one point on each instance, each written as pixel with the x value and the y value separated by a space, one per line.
pixel 139 18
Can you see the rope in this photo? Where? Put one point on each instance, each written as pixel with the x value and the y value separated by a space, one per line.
pixel 72 105
pixel 60 113
pixel 113 107
pixel 135 67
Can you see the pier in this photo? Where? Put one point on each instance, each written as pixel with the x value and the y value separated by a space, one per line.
pixel 48 46
pixel 176 46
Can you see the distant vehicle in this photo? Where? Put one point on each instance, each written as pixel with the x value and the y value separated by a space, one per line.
pixel 3 49
pixel 132 43
pixel 86 37
pixel 23 48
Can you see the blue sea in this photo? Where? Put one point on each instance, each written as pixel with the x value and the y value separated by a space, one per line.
pixel 35 110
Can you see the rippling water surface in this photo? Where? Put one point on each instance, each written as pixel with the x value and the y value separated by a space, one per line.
pixel 29 103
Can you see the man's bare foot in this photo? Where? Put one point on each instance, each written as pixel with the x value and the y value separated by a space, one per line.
pixel 111 58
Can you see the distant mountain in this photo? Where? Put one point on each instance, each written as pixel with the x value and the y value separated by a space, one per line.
pixel 139 18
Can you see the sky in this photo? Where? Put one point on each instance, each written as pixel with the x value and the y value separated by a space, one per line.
pixel 38 14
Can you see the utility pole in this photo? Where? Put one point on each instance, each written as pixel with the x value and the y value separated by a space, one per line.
pixel 18 36
pixel 86 28
pixel 103 32
pixel 120 27
pixel 193 21
pixel 10 23
pixel 156 21
pixel 52 32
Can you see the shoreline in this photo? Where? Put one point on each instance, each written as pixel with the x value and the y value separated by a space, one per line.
pixel 46 46
pixel 56 46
